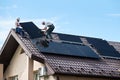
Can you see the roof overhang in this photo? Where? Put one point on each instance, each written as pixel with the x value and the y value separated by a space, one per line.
pixel 8 49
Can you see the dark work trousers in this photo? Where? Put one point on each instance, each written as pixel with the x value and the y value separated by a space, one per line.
pixel 20 31
pixel 49 31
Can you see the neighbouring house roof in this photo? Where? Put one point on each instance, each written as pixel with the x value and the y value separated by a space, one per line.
pixel 99 61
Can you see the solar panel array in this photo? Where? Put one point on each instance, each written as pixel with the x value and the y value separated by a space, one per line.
pixel 32 29
pixel 103 47
pixel 68 49
pixel 71 38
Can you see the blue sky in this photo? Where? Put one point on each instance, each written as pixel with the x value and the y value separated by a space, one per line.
pixel 93 18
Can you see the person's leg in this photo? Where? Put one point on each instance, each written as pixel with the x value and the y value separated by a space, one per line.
pixel 21 32
pixel 18 30
pixel 48 33
pixel 49 36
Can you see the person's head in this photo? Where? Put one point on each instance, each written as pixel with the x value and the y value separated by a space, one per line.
pixel 18 19
pixel 43 23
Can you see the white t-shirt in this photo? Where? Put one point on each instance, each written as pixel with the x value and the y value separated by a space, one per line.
pixel 17 24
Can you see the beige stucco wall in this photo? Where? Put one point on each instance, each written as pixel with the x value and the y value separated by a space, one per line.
pixel 18 66
pixel 37 65
pixel 1 71
pixel 52 77
pixel 63 77
pixel 22 66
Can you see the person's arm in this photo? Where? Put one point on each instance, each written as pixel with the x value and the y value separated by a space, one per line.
pixel 45 28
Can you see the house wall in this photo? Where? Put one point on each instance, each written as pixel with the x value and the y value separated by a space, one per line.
pixel 23 66
pixel 18 66
pixel 30 69
pixel 50 77
pixel 37 65
pixel 64 77
pixel 1 71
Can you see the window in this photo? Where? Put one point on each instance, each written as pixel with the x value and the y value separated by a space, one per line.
pixel 40 73
pixel 36 76
pixel 14 77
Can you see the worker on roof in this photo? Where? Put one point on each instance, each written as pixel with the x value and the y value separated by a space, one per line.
pixel 19 29
pixel 49 27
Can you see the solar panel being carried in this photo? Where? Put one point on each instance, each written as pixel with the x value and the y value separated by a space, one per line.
pixel 67 49
pixel 103 47
pixel 32 29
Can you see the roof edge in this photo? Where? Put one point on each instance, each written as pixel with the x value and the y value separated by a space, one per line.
pixel 83 75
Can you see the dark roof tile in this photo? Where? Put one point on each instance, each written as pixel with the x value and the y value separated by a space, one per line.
pixel 78 66
pixel 35 52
